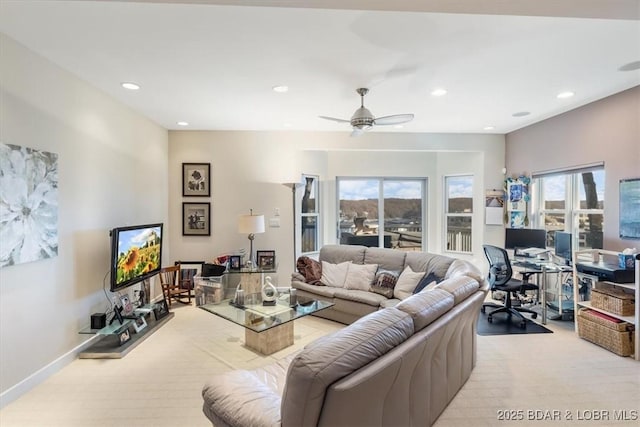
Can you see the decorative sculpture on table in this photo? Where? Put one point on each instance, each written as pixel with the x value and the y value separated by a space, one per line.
pixel 269 292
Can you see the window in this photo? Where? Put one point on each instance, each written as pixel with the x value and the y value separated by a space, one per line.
pixel 573 201
pixel 309 215
pixel 394 205
pixel 458 212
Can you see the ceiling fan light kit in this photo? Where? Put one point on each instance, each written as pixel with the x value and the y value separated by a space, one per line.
pixel 363 120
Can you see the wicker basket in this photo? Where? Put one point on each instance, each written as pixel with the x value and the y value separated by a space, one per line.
pixel 613 299
pixel 615 337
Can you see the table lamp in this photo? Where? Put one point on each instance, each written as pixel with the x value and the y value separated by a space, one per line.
pixel 251 224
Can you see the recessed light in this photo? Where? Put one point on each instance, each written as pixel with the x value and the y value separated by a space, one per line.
pixel 488 128
pixel 281 89
pixel 182 123
pixel 631 66
pixel 566 94
pixel 130 85
pixel 521 114
pixel 439 92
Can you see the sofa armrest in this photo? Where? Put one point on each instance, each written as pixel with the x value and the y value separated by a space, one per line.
pixel 297 277
pixel 240 398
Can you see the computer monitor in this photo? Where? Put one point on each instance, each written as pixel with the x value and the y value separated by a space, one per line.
pixel 525 238
pixel 562 243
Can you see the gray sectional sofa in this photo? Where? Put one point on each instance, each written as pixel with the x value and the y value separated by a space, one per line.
pixel 351 304
pixel 397 366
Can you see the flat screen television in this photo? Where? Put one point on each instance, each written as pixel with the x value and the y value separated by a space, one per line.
pixel 562 245
pixel 525 238
pixel 136 254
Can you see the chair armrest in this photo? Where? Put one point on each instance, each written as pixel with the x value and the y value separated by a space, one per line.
pixel 240 398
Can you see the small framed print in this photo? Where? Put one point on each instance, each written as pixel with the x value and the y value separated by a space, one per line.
pixel 127 307
pixel 196 219
pixel 234 262
pixel 124 336
pixel 196 179
pixel 266 259
pixel 160 309
pixel 139 324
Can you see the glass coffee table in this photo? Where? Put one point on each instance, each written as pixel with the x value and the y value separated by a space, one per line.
pixel 268 328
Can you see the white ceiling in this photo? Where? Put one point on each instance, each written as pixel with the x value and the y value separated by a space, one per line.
pixel 214 66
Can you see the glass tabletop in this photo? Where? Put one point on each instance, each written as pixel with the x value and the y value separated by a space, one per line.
pixel 258 317
pixel 250 270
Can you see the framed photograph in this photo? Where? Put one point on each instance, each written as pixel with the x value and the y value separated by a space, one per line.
pixel 127 307
pixel 196 179
pixel 124 336
pixel 196 219
pixel 139 324
pixel 161 309
pixel 234 262
pixel 266 259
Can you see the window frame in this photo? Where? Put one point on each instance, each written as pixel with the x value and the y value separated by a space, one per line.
pixel 424 182
pixel 572 210
pixel 299 190
pixel 447 214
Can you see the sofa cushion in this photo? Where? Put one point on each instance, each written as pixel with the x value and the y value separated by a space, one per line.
pixel 426 306
pixel 247 397
pixel 391 302
pixel 384 282
pixel 310 269
pixel 335 356
pixel 407 282
pixel 325 291
pixel 429 280
pixel 360 276
pixel 429 263
pixel 364 297
pixel 460 267
pixel 460 287
pixel 385 259
pixel 334 274
pixel 339 253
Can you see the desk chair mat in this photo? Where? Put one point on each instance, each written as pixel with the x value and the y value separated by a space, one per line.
pixel 503 325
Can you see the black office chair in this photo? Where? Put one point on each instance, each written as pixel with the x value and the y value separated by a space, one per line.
pixel 500 279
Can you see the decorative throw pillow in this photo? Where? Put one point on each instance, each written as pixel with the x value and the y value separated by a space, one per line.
pixel 384 282
pixel 310 269
pixel 428 281
pixel 360 276
pixel 407 282
pixel 335 274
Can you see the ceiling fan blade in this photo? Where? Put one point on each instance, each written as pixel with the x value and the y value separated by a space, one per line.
pixel 333 119
pixel 396 119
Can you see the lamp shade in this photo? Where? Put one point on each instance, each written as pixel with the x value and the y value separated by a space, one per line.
pixel 251 224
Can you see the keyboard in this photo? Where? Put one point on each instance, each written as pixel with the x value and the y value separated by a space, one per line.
pixel 528 265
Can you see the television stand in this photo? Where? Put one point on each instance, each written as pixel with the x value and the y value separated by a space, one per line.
pixel 108 345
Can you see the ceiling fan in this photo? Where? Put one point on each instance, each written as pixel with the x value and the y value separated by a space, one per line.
pixel 362 120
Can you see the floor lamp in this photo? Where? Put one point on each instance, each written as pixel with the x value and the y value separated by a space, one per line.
pixel 251 224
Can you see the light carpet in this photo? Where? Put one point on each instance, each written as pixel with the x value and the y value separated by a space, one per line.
pixel 159 383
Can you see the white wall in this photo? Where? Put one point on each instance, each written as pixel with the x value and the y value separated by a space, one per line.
pixel 607 130
pixel 248 169
pixel 112 172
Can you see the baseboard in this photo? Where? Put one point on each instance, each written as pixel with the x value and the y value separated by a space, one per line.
pixel 38 377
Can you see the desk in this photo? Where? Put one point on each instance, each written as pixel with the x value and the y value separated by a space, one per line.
pixel 528 267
